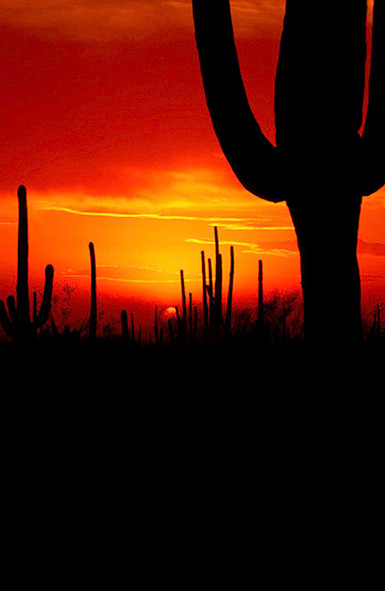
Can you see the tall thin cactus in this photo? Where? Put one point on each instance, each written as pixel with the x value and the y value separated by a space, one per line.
pixel 321 166
pixel 204 298
pixel 212 312
pixel 210 291
pixel 261 307
pixel 184 304
pixel 230 292
pixel 18 324
pixel 190 314
pixel 124 323
pixel 218 282
pixel 93 310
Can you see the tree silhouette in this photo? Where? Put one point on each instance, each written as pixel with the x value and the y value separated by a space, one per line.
pixel 321 165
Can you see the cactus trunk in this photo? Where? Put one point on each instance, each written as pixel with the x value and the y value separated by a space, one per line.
pixel 204 295
pixel 184 305
pixel 330 275
pixel 218 282
pixel 190 314
pixel 321 165
pixel 93 312
pixel 22 263
pixel 260 294
pixel 124 322
pixel 210 290
pixel 230 293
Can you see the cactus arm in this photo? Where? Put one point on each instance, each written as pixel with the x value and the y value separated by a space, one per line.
pixel 252 157
pixel 13 315
pixel 374 131
pixel 45 308
pixel 5 321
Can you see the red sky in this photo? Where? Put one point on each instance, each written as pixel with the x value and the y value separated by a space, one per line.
pixel 104 120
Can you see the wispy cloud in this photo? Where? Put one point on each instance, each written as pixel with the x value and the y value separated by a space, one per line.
pixel 206 194
pixel 248 247
pixel 112 214
pixel 109 21
pixel 244 227
pixel 122 279
pixel 89 20
pixel 230 223
pixel 131 274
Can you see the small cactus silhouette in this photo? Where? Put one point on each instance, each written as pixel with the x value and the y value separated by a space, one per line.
pixel 93 303
pixel 321 165
pixel 212 310
pixel 260 294
pixel 204 298
pixel 124 323
pixel 19 324
pixel 230 292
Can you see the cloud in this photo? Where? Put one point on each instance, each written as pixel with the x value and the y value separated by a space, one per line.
pixel 186 195
pixel 250 247
pixel 96 20
pixel 251 225
pixel 103 20
pixel 132 274
pixel 88 20
pixel 106 20
pixel 122 280
pixel 227 223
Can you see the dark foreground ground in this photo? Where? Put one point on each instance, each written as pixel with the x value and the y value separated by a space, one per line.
pixel 188 395
pixel 166 458
pixel 238 367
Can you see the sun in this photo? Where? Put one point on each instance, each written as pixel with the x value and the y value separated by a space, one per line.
pixel 169 313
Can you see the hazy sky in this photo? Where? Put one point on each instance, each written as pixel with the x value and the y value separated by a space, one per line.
pixel 103 118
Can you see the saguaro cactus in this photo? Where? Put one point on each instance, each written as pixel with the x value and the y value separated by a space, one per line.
pixel 124 323
pixel 218 282
pixel 321 166
pixel 19 324
pixel 184 305
pixel 230 293
pixel 204 287
pixel 260 294
pixel 93 301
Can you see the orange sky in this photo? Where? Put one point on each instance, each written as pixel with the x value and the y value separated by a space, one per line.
pixel 104 120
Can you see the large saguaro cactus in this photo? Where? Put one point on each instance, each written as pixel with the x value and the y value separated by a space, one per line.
pixel 19 324
pixel 321 166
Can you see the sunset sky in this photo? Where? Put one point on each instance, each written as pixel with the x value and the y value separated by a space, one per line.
pixel 103 118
